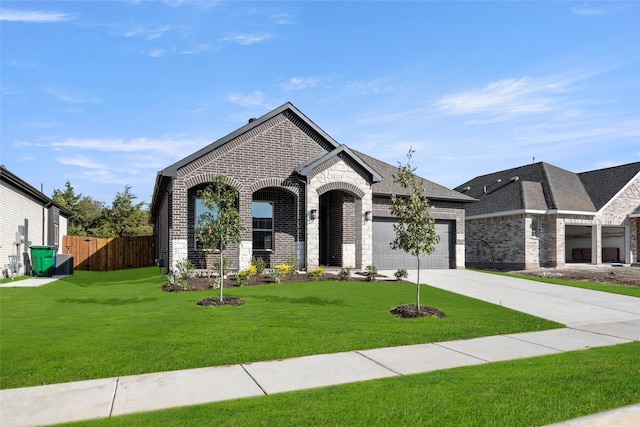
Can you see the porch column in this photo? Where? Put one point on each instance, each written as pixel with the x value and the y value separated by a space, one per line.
pixel 596 244
pixel 313 229
pixel 634 232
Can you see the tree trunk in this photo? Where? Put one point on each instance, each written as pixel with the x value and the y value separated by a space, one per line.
pixel 418 286
pixel 221 274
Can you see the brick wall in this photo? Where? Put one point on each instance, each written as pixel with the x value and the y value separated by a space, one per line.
pixel 261 158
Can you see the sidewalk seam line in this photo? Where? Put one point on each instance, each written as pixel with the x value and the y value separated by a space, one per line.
pixel 378 363
pixel 253 379
pixel 113 398
pixel 441 344
pixel 535 343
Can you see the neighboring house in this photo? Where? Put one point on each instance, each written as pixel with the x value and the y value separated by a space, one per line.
pixel 540 215
pixel 302 195
pixel 27 217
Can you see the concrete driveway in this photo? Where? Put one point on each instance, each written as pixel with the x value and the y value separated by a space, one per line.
pixel 563 304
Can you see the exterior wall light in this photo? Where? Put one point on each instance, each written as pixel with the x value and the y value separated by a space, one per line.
pixel 314 214
pixel 368 216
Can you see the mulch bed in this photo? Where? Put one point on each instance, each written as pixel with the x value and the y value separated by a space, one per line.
pixel 225 301
pixel 409 311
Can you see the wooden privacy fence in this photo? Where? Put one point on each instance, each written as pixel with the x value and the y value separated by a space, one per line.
pixel 116 253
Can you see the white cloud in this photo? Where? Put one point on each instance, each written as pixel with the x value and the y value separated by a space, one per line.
pixel 157 53
pixel 247 39
pixel 282 18
pixel 72 98
pixel 198 48
pixel 148 33
pixel 376 86
pixel 255 99
pixel 83 162
pixel 299 83
pixel 34 16
pixel 588 10
pixel 173 147
pixel 506 98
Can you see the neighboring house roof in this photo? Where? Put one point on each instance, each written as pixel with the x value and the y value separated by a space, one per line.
pixel 603 184
pixel 544 187
pixel 29 190
pixel 387 186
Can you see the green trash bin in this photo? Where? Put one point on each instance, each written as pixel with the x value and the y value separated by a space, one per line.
pixel 43 260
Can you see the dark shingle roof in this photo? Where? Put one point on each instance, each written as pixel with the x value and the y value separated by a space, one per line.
pixel 541 186
pixel 538 186
pixel 603 184
pixel 387 186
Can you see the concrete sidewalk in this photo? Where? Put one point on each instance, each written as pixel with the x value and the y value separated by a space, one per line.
pixel 615 320
pixel 31 282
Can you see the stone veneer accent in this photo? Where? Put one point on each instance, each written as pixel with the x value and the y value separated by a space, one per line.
pixel 341 176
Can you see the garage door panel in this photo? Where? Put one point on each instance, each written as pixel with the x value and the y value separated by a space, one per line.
pixel 386 258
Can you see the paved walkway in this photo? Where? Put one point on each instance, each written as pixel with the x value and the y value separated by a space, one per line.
pixel 593 318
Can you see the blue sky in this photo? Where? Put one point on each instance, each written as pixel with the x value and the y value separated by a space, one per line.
pixel 105 94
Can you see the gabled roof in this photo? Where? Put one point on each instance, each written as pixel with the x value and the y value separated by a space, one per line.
pixel 306 168
pixel 28 189
pixel 172 170
pixel 603 184
pixel 544 187
pixel 387 186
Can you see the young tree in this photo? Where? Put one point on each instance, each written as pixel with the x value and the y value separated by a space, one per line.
pixel 221 224
pixel 415 230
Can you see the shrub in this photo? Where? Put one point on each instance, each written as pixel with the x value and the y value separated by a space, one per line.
pixel 317 273
pixel 259 263
pixel 276 275
pixel 285 269
pixel 401 273
pixel 184 270
pixel 345 273
pixel 292 263
pixel 372 272
pixel 244 275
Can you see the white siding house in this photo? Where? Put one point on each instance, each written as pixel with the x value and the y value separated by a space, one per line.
pixel 27 216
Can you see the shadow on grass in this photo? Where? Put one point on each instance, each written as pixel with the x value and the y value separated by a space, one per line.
pixel 110 301
pixel 304 300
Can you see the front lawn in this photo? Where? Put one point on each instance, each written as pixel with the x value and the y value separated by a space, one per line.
pixel 106 324
pixel 529 392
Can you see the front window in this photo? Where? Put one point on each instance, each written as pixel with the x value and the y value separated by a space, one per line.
pixel 535 226
pixel 202 213
pixel 263 226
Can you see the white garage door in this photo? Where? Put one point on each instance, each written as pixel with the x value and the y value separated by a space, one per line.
pixel 386 258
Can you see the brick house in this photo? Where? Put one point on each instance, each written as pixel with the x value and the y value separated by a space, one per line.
pixel 300 194
pixel 540 215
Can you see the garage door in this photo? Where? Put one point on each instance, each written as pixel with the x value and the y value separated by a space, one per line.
pixel 386 258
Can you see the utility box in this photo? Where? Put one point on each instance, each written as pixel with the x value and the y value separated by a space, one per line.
pixel 43 260
pixel 64 264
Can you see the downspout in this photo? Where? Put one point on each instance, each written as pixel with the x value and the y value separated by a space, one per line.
pixel 44 207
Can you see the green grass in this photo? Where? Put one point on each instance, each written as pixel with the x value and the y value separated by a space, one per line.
pixel 632 291
pixel 97 325
pixel 529 392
